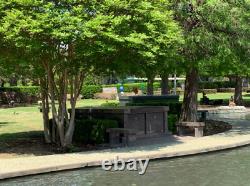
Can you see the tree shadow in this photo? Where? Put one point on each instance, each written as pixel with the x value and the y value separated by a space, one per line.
pixel 24 143
pixel 3 124
pixel 143 145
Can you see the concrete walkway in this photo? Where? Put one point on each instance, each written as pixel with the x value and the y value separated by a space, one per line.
pixel 169 146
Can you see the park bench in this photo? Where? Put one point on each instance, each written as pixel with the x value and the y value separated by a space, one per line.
pixel 128 136
pixel 198 128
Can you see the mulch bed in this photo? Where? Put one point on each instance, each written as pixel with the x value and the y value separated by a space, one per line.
pixel 214 127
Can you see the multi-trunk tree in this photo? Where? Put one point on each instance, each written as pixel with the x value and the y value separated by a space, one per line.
pixel 63 40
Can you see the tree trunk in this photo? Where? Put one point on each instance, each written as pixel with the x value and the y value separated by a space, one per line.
pixel 190 104
pixel 164 84
pixel 238 91
pixel 71 128
pixel 150 85
pixel 45 110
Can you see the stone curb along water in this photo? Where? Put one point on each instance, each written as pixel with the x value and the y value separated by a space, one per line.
pixel 70 161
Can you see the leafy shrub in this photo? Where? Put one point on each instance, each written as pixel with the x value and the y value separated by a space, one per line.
pixel 108 104
pixel 93 130
pixel 22 94
pixel 28 90
pixel 88 91
pixel 172 119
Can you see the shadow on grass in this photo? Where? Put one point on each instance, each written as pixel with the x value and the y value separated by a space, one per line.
pixel 24 143
pixel 3 124
pixel 21 135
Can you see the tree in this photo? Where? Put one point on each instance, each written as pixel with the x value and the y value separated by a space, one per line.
pixel 207 26
pixel 232 56
pixel 145 37
pixel 63 40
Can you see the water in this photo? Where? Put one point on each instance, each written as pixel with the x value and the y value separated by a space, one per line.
pixel 227 168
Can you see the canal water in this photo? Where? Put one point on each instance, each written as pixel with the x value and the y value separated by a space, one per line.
pixel 226 168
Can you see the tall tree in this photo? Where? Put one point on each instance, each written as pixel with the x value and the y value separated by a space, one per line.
pixel 207 26
pixel 66 39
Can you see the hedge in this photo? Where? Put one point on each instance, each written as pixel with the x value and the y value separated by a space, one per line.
pixel 29 90
pixel 88 91
pixel 93 131
pixel 172 120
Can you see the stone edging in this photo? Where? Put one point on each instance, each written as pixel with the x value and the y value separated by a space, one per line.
pixel 48 169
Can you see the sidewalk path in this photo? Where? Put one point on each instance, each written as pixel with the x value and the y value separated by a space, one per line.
pixel 169 146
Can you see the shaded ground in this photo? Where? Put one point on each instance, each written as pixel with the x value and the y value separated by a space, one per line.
pixel 214 127
pixel 21 131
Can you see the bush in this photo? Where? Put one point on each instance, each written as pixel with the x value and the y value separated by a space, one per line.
pixel 93 130
pixel 28 90
pixel 88 91
pixel 22 94
pixel 112 104
pixel 172 119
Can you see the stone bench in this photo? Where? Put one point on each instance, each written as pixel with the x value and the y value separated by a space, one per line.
pixel 198 128
pixel 129 135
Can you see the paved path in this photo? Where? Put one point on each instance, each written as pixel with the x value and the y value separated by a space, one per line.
pixel 171 146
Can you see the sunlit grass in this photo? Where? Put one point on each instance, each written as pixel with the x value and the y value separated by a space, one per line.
pixel 227 95
pixel 27 119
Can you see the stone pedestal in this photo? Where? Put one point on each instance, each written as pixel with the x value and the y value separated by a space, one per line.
pixel 145 120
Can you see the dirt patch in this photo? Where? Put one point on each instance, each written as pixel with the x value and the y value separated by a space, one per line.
pixel 24 147
pixel 37 147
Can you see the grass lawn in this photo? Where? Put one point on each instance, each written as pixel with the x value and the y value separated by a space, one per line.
pixel 246 96
pixel 16 122
pixel 21 128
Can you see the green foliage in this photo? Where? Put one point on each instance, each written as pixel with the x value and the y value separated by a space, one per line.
pixel 216 35
pixel 28 90
pixel 172 120
pixel 88 91
pixel 93 130
pixel 112 104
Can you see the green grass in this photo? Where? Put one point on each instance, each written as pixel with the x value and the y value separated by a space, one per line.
pixel 246 96
pixel 22 122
